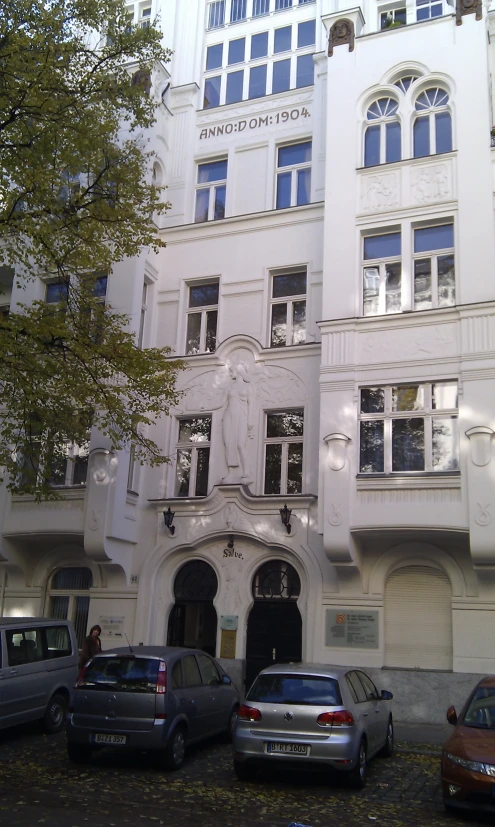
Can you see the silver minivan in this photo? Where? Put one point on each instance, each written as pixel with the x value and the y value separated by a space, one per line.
pixel 157 698
pixel 38 667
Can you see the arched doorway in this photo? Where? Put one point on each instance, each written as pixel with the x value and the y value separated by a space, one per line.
pixel 193 619
pixel 274 630
pixel 418 619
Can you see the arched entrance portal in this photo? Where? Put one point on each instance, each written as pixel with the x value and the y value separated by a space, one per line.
pixel 193 619
pixel 274 630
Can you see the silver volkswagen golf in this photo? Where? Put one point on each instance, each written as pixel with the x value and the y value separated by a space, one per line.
pixel 310 714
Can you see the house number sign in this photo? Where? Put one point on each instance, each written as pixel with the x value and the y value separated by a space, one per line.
pixel 287 116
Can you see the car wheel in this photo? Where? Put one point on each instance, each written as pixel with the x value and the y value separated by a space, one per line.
pixel 79 753
pixel 231 725
pixel 55 714
pixel 245 772
pixel 388 748
pixel 175 752
pixel 357 776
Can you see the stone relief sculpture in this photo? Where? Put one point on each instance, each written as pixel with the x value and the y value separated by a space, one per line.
pixel 341 32
pixel 381 192
pixel 237 426
pixel 468 7
pixel 431 183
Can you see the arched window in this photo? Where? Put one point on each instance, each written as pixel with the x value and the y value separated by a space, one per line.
pixel 276 580
pixel 382 142
pixel 405 82
pixel 432 131
pixel 68 598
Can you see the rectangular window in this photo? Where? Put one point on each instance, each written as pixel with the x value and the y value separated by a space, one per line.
pixel 288 310
pixel 238 10
pixel 201 336
pixel 434 274
pixel 305 71
pixel 259 45
pixel 382 274
pixel 211 191
pixel 69 468
pixel 283 39
pixel 24 646
pixel 193 457
pixel 145 18
pixel 211 96
pixel 293 175
pixel 393 18
pixel 237 51
pixel 257 81
pixel 214 57
pixel 283 4
pixel 260 7
pixel 235 82
pixel 426 9
pixel 284 452
pixel 57 292
pixel 281 76
pixel 142 317
pixel 408 428
pixel 306 33
pixel 216 14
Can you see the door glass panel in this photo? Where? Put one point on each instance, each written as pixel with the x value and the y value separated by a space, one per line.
pixel 357 686
pixel 408 444
pixel 210 673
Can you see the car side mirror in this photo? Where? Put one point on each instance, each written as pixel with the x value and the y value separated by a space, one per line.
pixel 452 715
pixel 226 680
pixel 385 695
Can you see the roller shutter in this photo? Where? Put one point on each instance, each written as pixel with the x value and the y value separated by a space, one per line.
pixel 418 619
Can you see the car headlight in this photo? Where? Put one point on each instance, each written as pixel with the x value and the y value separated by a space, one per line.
pixel 474 766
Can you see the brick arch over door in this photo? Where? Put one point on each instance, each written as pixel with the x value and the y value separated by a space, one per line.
pixel 418 619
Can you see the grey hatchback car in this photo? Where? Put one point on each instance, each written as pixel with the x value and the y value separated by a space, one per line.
pixel 159 698
pixel 312 715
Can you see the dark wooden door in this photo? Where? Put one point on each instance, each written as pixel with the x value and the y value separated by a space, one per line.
pixel 274 635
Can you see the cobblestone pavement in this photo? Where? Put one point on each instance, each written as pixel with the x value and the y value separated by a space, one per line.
pixel 38 785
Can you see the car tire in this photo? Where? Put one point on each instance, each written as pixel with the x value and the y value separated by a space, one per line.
pixel 357 776
pixel 79 753
pixel 229 733
pixel 55 714
pixel 388 748
pixel 244 771
pixel 175 752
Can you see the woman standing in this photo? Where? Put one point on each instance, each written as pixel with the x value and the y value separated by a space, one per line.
pixel 91 646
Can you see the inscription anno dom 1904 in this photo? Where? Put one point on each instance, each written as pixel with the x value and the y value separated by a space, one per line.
pixel 257 122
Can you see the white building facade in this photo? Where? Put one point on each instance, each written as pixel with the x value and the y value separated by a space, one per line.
pixel 329 280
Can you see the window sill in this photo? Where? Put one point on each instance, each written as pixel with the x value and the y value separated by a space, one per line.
pixel 414 479
pixel 408 161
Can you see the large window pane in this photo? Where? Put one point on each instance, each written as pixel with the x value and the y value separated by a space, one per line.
pixel 80 470
pixel 294 468
pixel 371 452
pixel 183 473
pixel 219 206
pixel 434 238
pixel 259 45
pixel 260 7
pixel 408 398
pixel 281 76
pixel 193 334
pixel 279 325
pixel 382 246
pixel 443 126
pixel 203 295
pixel 237 51
pixel 195 429
pixel 304 71
pixel 235 81
pixel 212 171
pixel 214 56
pixel 211 331
pixel 393 288
pixel 284 181
pixel 283 4
pixel 290 284
pixel 59 606
pixel 202 201
pixel 371 291
pixel 421 137
pixel 422 284
pixel 217 14
pixel 257 81
pixel 393 147
pixel 298 323
pixel 445 444
pixel 285 424
pixel 306 33
pixel 303 187
pixel 273 469
pixel 444 396
pixel 372 146
pixel 203 458
pixel 294 154
pixel 238 10
pixel 408 444
pixel 81 612
pixel 372 400
pixel 446 281
pixel 212 92
pixel 283 39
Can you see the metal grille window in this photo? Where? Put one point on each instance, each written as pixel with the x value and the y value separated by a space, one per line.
pixel 193 457
pixel 211 191
pixel 201 334
pixel 293 175
pixel 381 274
pixel 408 428
pixel 432 129
pixel 434 274
pixel 276 580
pixel 288 317
pixel 68 598
pixel 382 139
pixel 284 452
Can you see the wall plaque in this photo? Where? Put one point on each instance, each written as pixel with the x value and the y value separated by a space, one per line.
pixel 227 643
pixel 111 626
pixel 357 629
pixel 228 622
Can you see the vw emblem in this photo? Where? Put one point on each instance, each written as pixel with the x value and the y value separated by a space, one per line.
pixel 288 716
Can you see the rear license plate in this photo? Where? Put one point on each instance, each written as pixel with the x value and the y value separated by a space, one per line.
pixel 292 749
pixel 101 738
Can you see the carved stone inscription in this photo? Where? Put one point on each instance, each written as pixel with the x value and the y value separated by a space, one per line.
pixel 245 125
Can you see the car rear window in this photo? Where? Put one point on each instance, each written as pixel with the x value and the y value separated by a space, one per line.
pixel 481 710
pixel 304 690
pixel 121 674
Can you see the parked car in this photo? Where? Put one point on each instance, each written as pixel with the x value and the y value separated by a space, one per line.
pixel 158 698
pixel 468 756
pixel 315 715
pixel 38 667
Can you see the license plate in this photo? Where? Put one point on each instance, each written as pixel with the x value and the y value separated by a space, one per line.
pixel 291 749
pixel 101 738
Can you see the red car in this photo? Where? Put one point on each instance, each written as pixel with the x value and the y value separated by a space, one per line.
pixel 468 757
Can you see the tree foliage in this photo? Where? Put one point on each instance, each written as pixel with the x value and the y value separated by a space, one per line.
pixel 76 196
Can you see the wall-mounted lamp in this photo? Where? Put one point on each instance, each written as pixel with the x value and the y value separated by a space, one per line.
pixel 168 517
pixel 285 517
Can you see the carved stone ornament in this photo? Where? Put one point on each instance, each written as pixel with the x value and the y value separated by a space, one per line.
pixel 142 78
pixel 468 7
pixel 337 450
pixel 341 32
pixel 335 517
pixel 480 441
pixel 483 516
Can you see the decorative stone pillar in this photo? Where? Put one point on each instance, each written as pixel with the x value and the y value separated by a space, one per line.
pixel 481 492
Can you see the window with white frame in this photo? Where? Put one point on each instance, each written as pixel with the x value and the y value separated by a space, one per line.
pixel 293 175
pixel 193 457
pixel 284 431
pixel 382 138
pixel 434 270
pixel 202 316
pixel 131 472
pixel 68 598
pixel 288 309
pixel 70 467
pixel 393 18
pixel 426 9
pixel 145 17
pixel 382 274
pixel 56 292
pixel 236 11
pixel 143 314
pixel 409 428
pixel 211 191
pixel 432 129
pixel 404 82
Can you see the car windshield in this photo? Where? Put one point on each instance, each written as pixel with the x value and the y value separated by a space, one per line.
pixel 481 710
pixel 122 674
pixel 304 690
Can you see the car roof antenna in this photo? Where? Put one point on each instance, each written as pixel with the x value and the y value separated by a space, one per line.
pixel 129 645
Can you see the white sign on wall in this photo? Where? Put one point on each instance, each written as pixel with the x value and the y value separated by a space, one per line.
pixel 112 626
pixel 355 629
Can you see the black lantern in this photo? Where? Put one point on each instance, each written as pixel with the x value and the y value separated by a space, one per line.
pixel 168 517
pixel 285 517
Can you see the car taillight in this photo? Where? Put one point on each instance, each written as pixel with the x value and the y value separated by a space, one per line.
pixel 161 681
pixel 248 713
pixel 339 718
